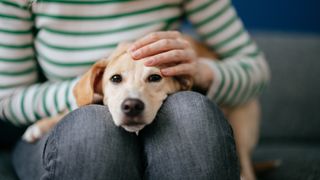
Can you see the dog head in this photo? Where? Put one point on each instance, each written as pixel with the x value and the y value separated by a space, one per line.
pixel 133 92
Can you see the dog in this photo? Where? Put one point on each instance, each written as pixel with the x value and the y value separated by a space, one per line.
pixel 134 93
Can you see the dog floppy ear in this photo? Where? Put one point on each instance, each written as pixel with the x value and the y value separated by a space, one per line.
pixel 89 84
pixel 185 82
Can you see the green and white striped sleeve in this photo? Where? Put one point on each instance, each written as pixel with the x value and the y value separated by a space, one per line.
pixel 242 72
pixel 22 100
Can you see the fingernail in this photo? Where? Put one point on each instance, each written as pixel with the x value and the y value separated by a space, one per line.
pixel 148 63
pixel 132 48
pixel 164 71
pixel 136 54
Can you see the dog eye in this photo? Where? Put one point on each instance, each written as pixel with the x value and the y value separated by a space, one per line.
pixel 154 78
pixel 116 78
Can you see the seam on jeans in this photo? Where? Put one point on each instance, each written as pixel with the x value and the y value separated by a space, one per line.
pixel 50 170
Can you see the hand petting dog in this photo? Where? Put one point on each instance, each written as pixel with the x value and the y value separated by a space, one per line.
pixel 175 55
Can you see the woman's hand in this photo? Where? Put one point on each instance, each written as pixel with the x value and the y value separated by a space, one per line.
pixel 173 54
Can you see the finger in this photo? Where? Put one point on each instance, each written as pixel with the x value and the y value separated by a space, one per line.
pixel 181 69
pixel 159 47
pixel 173 56
pixel 153 37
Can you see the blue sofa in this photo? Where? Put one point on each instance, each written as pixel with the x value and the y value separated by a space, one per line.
pixel 290 130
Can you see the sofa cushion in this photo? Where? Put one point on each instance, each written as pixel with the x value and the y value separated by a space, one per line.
pixel 298 161
pixel 291 102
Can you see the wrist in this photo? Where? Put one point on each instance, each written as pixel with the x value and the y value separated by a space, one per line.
pixel 204 76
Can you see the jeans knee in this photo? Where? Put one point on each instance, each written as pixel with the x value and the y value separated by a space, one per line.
pixel 87 137
pixel 75 130
pixel 84 124
pixel 190 100
pixel 189 129
pixel 87 126
pixel 87 118
pixel 189 107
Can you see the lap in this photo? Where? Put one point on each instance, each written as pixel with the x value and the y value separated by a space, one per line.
pixel 188 134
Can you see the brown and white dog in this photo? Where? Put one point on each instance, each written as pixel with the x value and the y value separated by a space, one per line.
pixel 134 93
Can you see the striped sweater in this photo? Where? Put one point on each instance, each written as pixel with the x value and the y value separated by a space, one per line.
pixel 63 38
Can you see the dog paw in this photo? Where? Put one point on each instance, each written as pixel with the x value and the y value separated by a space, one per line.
pixel 32 134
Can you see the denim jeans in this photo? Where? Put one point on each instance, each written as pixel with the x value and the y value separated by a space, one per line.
pixel 189 139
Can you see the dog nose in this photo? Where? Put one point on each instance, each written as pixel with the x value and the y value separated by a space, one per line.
pixel 132 107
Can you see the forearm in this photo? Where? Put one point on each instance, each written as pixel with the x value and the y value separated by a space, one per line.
pixel 241 72
pixel 204 78
pixel 28 104
pixel 237 80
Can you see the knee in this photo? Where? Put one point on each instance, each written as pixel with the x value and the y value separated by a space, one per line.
pixel 87 136
pixel 192 109
pixel 189 100
pixel 86 119
pixel 88 126
pixel 197 125
pixel 190 114
pixel 87 122
pixel 81 128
